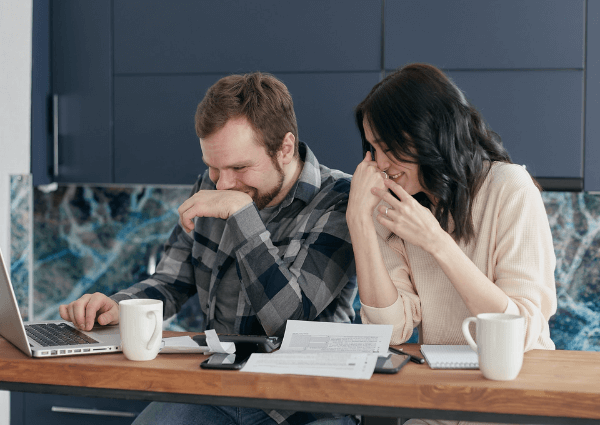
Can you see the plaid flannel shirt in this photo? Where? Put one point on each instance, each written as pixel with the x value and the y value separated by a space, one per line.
pixel 298 265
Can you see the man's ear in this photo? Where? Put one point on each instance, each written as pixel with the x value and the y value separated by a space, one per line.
pixel 286 153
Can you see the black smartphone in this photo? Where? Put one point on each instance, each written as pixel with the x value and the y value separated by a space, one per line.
pixel 226 361
pixel 245 345
pixel 392 363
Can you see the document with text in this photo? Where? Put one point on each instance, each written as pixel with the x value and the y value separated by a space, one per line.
pixel 325 349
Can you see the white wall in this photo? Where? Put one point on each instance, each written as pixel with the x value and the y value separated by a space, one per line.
pixel 15 116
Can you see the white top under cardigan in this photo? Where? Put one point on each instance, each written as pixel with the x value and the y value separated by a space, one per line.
pixel 512 247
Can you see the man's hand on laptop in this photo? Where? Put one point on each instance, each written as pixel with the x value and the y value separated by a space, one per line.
pixel 89 309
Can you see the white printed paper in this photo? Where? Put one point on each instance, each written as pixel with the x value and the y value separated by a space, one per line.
pixel 325 349
pixel 336 337
pixel 338 365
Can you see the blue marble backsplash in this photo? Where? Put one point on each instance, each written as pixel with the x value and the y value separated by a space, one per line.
pixel 21 240
pixel 88 239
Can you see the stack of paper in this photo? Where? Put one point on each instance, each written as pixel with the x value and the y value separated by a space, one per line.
pixel 325 349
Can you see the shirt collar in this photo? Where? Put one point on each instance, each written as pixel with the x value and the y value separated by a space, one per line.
pixel 308 184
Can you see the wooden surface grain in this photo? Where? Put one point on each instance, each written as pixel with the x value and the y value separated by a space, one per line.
pixel 551 383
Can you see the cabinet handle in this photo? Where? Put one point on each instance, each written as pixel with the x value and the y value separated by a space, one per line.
pixel 96 412
pixel 55 133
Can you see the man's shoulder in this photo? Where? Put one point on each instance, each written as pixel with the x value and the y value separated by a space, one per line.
pixel 321 177
pixel 335 180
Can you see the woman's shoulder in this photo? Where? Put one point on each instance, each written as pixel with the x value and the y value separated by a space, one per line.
pixel 513 177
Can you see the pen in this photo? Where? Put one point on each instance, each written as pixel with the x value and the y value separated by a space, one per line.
pixel 413 358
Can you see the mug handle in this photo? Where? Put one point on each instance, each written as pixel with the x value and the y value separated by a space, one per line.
pixel 156 333
pixel 467 333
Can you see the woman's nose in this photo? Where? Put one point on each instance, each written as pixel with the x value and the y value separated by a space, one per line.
pixel 382 161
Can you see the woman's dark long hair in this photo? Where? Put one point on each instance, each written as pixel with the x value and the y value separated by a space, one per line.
pixel 422 116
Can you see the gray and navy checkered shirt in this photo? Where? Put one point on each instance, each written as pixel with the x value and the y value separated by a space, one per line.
pixel 298 265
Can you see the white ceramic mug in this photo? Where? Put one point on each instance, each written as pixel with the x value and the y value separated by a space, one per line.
pixel 140 323
pixel 500 344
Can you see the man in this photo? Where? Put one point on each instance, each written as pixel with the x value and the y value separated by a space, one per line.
pixel 263 238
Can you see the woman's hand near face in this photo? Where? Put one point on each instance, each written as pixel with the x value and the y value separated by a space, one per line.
pixel 374 283
pixel 362 200
pixel 416 224
pixel 410 220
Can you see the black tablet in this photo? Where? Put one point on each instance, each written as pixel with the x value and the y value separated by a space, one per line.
pixel 254 343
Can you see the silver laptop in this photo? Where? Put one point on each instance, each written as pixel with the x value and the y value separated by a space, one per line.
pixel 49 338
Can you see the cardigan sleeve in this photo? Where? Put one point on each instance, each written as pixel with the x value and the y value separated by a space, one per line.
pixel 524 262
pixel 405 313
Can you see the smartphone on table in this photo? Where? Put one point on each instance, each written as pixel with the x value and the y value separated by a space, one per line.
pixel 392 363
pixel 245 345
pixel 226 361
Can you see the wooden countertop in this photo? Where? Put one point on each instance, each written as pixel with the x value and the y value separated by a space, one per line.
pixel 551 383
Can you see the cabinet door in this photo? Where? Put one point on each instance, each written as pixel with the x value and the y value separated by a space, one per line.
pixel 520 63
pixel 41 94
pixel 324 105
pixel 155 138
pixel 67 410
pixel 491 34
pixel 81 79
pixel 540 128
pixel 592 101
pixel 192 36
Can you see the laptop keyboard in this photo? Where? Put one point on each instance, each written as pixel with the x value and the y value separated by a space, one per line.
pixel 51 334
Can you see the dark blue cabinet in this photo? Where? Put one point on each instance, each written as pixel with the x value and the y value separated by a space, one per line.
pixel 155 139
pixel 592 98
pixel 211 36
pixel 82 83
pixel 491 34
pixel 33 409
pixel 128 75
pixel 541 128
pixel 521 63
pixel 324 106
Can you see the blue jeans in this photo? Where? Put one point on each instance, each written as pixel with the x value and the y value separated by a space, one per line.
pixel 197 414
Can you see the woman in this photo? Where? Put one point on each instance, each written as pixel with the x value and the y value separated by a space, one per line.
pixel 443 224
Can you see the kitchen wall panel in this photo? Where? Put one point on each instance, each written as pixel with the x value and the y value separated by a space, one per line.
pixel 114 129
pixel 592 98
pixel 190 36
pixel 155 138
pixel 491 34
pixel 541 128
pixel 82 78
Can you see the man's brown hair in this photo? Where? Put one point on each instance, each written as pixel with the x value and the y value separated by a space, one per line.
pixel 260 98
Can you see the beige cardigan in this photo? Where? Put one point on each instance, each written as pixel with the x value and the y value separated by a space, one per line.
pixel 512 247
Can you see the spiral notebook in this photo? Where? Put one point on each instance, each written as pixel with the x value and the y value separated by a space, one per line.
pixel 450 356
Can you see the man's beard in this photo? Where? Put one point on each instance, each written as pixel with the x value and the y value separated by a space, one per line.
pixel 263 199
